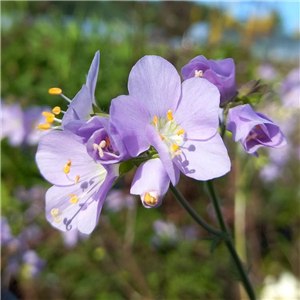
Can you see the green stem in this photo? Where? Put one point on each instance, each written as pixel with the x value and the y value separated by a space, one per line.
pixel 193 214
pixel 246 282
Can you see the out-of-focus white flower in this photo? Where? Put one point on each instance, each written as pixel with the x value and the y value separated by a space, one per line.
pixel 287 287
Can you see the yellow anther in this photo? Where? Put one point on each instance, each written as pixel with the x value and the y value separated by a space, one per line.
pixel 44 126
pixel 170 115
pixel 150 200
pixel 175 147
pixel 198 73
pixel 55 212
pixel 155 120
pixel 77 179
pixel 69 163
pixel 50 119
pixel 74 198
pixel 47 114
pixel 181 131
pixel 161 136
pixel 66 169
pixel 56 110
pixel 55 91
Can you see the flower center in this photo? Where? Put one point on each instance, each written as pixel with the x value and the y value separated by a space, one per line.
pixel 170 133
pixel 103 146
pixel 256 133
pixel 198 73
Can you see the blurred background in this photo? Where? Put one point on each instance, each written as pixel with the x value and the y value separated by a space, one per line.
pixel 135 253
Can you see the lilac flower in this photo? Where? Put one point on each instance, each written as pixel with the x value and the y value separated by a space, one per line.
pixel 220 73
pixel 180 122
pixel 290 89
pixel 71 238
pixel 166 234
pixel 80 184
pixel 116 200
pixel 253 129
pixel 6 236
pixel 267 72
pixel 33 265
pixel 270 172
pixel 12 124
pixel 81 107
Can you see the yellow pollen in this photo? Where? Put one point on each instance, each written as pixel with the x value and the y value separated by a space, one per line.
pixel 55 212
pixel 55 91
pixel 149 199
pixel 154 120
pixel 175 147
pixel 181 131
pixel 66 169
pixel 44 126
pixel 161 136
pixel 170 115
pixel 69 163
pixel 77 179
pixel 74 198
pixel 198 73
pixel 50 119
pixel 56 110
pixel 47 114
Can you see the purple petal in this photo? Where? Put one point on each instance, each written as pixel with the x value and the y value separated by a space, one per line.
pixel 164 154
pixel 156 84
pixel 130 118
pixel 151 178
pixel 204 160
pixel 92 76
pixel 55 150
pixel 198 110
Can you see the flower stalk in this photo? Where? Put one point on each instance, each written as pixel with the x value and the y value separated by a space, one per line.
pixel 229 243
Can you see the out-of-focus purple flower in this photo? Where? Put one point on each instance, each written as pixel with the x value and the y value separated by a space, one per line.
pixel 33 265
pixel 80 184
pixel 180 122
pixel 253 129
pixel 290 89
pixel 71 238
pixel 266 72
pixel 166 234
pixel 12 124
pixel 116 200
pixel 270 172
pixel 6 236
pixel 220 73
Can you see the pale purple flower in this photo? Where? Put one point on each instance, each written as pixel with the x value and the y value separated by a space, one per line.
pixel 266 72
pixel 80 184
pixel 166 234
pixel 179 121
pixel 253 129
pixel 12 124
pixel 220 73
pixel 6 236
pixel 71 238
pixel 290 89
pixel 33 264
pixel 270 172
pixel 116 200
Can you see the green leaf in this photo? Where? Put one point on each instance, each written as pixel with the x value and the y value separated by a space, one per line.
pixel 247 88
pixel 125 167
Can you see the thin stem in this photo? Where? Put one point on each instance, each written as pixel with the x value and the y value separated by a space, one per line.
pixel 247 285
pixel 193 214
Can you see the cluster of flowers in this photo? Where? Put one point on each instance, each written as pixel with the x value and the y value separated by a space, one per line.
pixel 164 127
